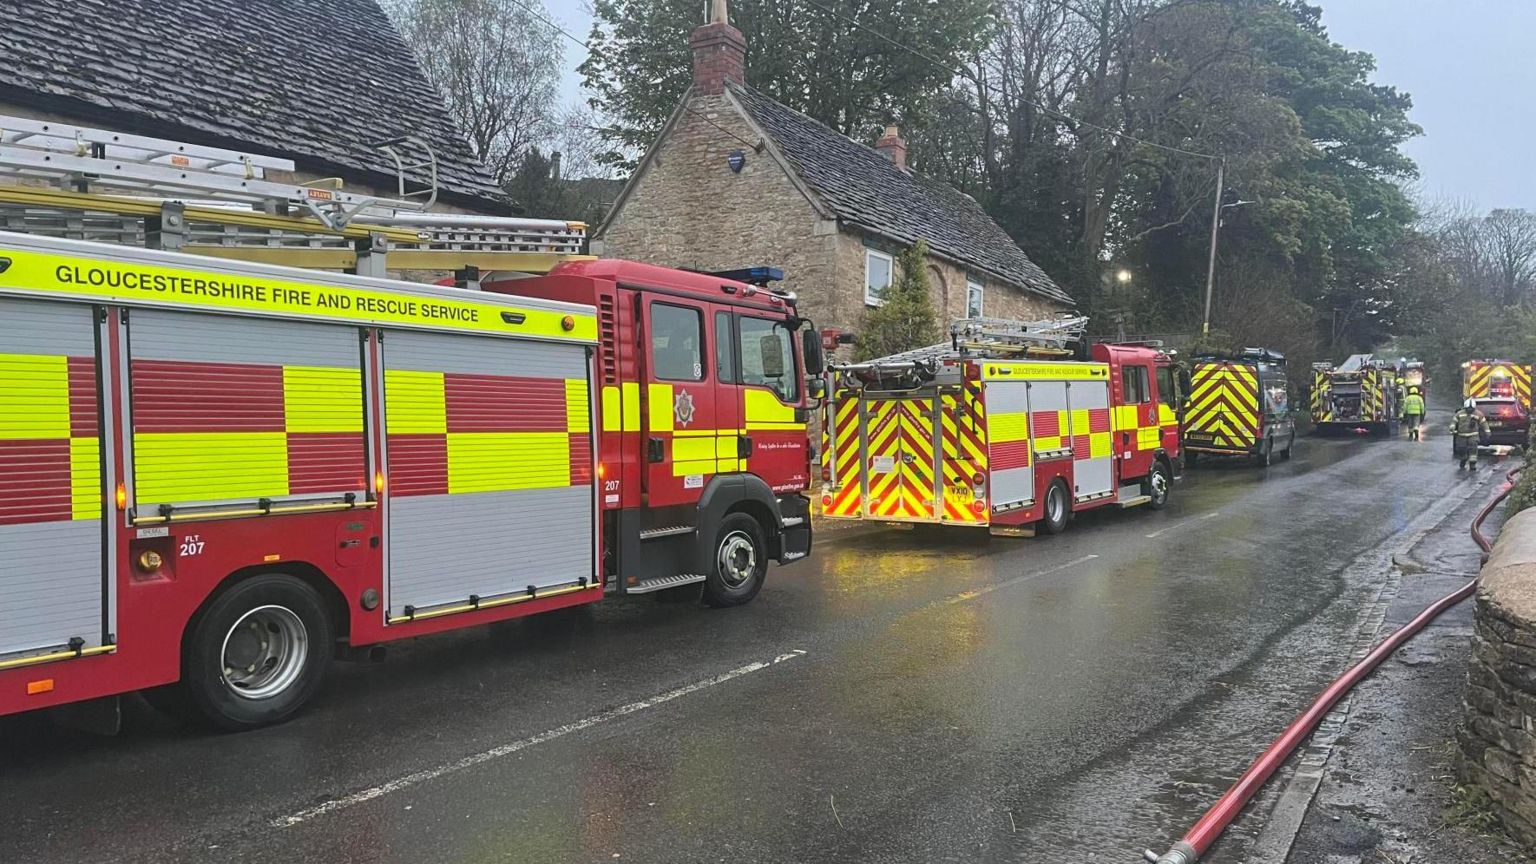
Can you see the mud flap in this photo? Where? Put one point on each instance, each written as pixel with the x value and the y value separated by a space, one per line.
pixel 102 716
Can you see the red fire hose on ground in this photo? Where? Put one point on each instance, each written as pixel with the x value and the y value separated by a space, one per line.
pixel 1203 834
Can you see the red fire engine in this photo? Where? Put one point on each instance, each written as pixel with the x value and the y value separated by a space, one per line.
pixel 999 428
pixel 217 474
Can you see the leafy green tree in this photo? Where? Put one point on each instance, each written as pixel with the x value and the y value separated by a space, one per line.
pixel 811 59
pixel 905 319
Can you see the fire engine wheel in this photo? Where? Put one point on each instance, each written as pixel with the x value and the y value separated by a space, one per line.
pixel 1058 508
pixel 258 652
pixel 740 562
pixel 1157 486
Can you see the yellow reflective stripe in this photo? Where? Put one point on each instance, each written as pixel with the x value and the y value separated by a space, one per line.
pixel 660 398
pixel 1080 421
pixel 1037 371
pixel 612 417
pixel 764 411
pixel 691 448
pixel 85 478
pixel 1100 444
pixel 1005 427
pixel 196 288
pixel 502 461
pixel 578 405
pixel 209 466
pixel 415 403
pixel 322 399
pixel 34 396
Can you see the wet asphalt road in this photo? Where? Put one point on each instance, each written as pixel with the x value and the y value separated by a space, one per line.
pixel 900 697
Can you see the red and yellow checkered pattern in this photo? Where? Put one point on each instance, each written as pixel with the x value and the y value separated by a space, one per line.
pixel 50 456
pixel 205 432
pixel 452 433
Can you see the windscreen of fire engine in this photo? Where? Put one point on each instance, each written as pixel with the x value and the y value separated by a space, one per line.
pixel 766 344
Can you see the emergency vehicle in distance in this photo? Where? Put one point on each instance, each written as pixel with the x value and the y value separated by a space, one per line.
pixel 218 473
pixel 1361 393
pixel 1001 428
pixel 1411 376
pixel 1497 379
pixel 1239 405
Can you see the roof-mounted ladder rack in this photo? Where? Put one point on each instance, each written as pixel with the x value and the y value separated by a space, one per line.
pixel 73 181
pixel 988 338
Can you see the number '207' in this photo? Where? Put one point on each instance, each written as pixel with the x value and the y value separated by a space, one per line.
pixel 192 544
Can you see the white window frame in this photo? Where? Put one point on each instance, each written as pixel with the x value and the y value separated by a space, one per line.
pixel 871 298
pixel 981 297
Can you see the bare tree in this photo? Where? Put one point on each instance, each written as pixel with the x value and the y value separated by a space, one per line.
pixel 497 66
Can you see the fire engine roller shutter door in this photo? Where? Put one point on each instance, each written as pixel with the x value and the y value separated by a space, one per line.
pixel 51 533
pixel 489 467
pixel 1008 450
pixel 1092 441
pixel 229 409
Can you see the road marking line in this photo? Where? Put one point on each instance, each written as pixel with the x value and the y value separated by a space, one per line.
pixel 988 589
pixel 1160 532
pixel 523 743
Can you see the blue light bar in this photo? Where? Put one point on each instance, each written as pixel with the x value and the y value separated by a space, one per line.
pixel 759 276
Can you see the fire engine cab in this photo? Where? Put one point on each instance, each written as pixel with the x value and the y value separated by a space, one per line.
pixel 218 472
pixel 1001 428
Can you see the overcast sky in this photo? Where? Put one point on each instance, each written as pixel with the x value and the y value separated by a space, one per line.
pixel 1468 64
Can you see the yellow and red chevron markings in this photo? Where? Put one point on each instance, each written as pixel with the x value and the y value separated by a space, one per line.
pixel 1224 403
pixel 964 425
pixel 1481 375
pixel 901 430
pixel 846 499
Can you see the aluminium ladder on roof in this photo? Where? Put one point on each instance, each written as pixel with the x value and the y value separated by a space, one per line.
pixel 986 338
pixel 94 184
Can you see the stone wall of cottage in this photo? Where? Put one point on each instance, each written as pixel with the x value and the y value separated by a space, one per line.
pixel 689 209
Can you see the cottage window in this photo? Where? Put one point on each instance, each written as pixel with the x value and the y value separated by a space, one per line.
pixel 877 276
pixel 973 299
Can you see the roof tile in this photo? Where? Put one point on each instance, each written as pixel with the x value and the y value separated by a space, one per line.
pixel 246 75
pixel 866 189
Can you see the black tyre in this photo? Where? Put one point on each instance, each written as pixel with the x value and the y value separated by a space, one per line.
pixel 1058 508
pixel 1290 444
pixel 258 652
pixel 1157 485
pixel 1266 453
pixel 740 563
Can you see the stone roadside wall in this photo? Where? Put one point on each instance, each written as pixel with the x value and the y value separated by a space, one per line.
pixel 1498 734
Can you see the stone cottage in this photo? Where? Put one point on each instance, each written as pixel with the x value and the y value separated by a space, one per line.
pixel 736 179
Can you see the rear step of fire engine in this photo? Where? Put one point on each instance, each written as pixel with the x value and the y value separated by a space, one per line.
pixel 665 582
pixel 111 187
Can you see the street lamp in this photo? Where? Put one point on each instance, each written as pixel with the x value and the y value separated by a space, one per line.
pixel 1123 276
pixel 1210 270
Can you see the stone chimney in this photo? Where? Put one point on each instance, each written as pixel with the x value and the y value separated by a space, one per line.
pixel 893 147
pixel 719 52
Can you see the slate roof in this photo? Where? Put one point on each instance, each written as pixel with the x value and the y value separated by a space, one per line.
pixel 309 80
pixel 864 188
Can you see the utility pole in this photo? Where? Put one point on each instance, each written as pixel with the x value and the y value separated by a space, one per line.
pixel 1210 271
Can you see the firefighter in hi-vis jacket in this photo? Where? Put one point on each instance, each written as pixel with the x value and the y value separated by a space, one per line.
pixel 1413 413
pixel 1468 427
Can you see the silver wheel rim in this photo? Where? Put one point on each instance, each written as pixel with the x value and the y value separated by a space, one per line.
pixel 1159 486
pixel 1054 507
pixel 264 652
pixel 738 559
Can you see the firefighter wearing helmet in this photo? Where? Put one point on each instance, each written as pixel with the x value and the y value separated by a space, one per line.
pixel 1413 412
pixel 1467 428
